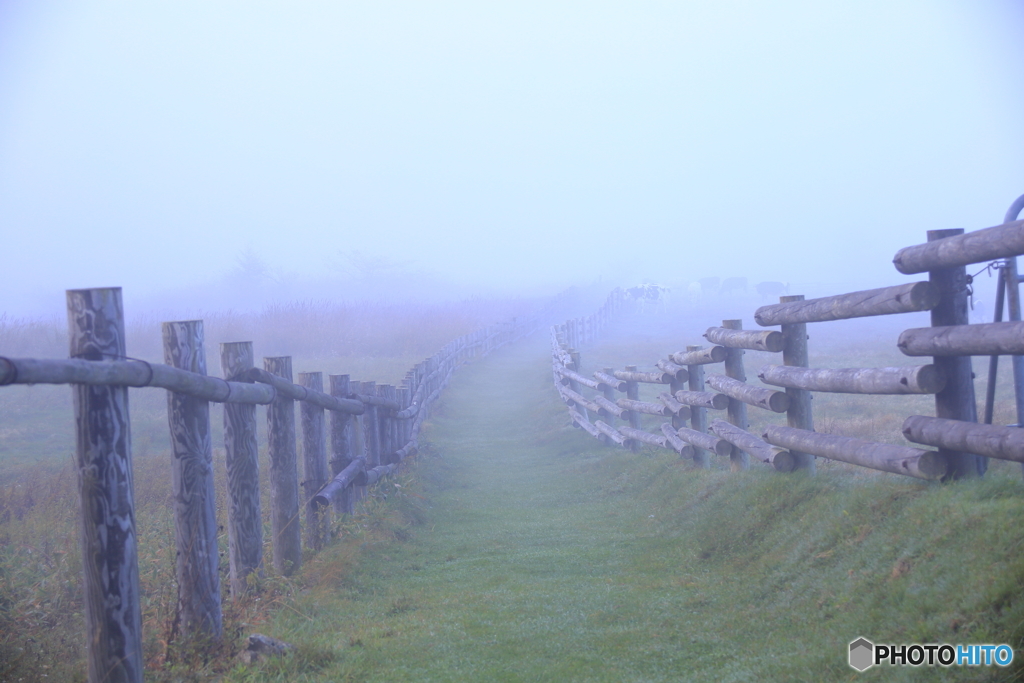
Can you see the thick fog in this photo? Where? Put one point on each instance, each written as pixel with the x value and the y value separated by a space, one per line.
pixel 217 154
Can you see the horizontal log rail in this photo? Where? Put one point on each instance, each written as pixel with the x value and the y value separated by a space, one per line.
pixel 644 407
pixel 610 432
pixel 583 423
pixel 916 296
pixel 919 379
pixel 372 476
pixel 378 401
pixel 913 462
pixel 708 442
pixel 605 380
pixel 988 339
pixel 576 377
pixel 642 436
pixel 993 441
pixel 680 410
pixel 673 441
pixel 712 354
pixel 679 373
pixel 703 399
pixel 132 373
pixel 660 377
pixel 779 458
pixel 761 397
pixel 340 483
pixel 574 399
pixel 607 408
pixel 755 340
pixel 989 244
pixel 300 393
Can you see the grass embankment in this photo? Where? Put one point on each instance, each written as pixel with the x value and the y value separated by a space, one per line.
pixel 522 550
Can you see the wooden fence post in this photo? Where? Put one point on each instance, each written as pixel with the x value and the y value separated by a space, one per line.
pixel 698 415
pixel 341 444
pixel 794 353
pixel 633 393
pixel 359 447
pixel 387 446
pixel 284 479
pixel 103 455
pixel 956 400
pixel 195 509
pixel 737 410
pixel 245 522
pixel 314 458
pixel 371 425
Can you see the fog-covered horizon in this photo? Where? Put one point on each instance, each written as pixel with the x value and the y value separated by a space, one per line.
pixel 210 155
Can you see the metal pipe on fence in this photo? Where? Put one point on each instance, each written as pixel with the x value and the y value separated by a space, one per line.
pixel 241 456
pixel 195 507
pixel 109 544
pixel 286 539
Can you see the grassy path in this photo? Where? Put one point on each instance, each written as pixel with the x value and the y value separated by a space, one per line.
pixel 539 555
pixel 520 571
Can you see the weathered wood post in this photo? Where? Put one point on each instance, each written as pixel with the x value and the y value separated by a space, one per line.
pixel 405 398
pixel 341 445
pixel 314 458
pixel 371 426
pixel 103 453
pixel 737 410
pixel 195 509
pixel 577 366
pixel 241 452
pixel 698 415
pixel 388 437
pixel 956 400
pixel 794 353
pixel 357 441
pixel 284 479
pixel 633 393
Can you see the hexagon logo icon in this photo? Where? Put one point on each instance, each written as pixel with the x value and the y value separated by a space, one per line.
pixel 861 654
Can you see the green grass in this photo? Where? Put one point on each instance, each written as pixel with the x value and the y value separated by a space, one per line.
pixel 516 548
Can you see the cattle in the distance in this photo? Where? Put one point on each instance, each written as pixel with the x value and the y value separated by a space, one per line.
pixel 649 297
pixel 733 284
pixel 770 290
pixel 708 285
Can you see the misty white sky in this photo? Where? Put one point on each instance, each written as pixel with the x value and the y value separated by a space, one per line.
pixel 519 145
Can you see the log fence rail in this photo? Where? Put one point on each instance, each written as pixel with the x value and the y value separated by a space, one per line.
pixel 372 429
pixel 962 444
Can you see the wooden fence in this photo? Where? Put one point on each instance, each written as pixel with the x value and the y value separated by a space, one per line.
pixel 961 445
pixel 372 429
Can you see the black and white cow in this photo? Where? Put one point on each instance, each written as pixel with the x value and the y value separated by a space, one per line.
pixel 648 297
